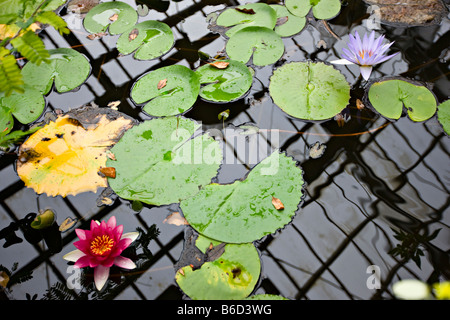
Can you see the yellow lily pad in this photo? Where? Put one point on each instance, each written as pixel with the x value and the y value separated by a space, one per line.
pixel 66 156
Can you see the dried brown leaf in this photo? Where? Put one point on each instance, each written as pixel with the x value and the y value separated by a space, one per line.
pixel 175 218
pixel 277 203
pixel 281 21
pixel 111 156
pixel 220 64
pixel 359 104
pixel 109 172
pixel 133 34
pixel 114 17
pixel 162 84
pixel 246 11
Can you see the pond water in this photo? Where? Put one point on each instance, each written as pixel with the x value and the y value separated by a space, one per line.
pixel 375 180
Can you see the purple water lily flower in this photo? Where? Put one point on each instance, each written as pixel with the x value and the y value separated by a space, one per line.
pixel 365 53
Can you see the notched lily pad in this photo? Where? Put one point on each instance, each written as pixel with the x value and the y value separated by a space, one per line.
pixel 149 40
pixel 158 162
pixel 224 84
pixel 116 17
pixel 243 211
pixel 180 92
pixel 68 69
pixel 65 156
pixel 322 9
pixel 287 24
pixel 391 97
pixel 232 275
pixel 309 91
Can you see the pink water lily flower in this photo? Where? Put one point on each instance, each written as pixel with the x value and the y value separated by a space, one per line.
pixel 365 53
pixel 100 248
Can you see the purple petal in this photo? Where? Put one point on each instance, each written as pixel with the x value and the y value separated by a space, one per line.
pixel 365 71
pixel 386 58
pixel 101 274
pixel 124 263
pixel 370 45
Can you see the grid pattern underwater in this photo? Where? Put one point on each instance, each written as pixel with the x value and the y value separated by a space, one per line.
pixel 391 174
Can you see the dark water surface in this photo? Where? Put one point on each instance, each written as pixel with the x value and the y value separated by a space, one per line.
pixel 375 176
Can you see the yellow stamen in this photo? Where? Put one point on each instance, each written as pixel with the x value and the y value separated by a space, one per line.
pixel 101 245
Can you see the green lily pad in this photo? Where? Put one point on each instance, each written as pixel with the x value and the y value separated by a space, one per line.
pixel 244 210
pixel 309 91
pixel 287 23
pixel 322 9
pixel 158 162
pixel 150 39
pixel 266 297
pixel 390 97
pixel 251 14
pixel 67 68
pixel 224 85
pixel 231 276
pixel 104 14
pixel 26 107
pixel 177 96
pixel 43 220
pixel 443 115
pixel 263 44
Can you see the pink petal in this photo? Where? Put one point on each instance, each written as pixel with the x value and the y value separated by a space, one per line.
pixel 131 235
pixel 81 234
pixel 118 232
pixel 84 261
pixel 74 255
pixel 82 245
pixel 124 263
pixel 365 71
pixel 101 274
pixel 112 222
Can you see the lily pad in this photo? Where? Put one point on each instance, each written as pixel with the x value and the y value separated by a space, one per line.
pixel 158 162
pixel 390 97
pixel 119 16
pixel 243 211
pixel 251 14
pixel 43 220
pixel 263 44
pixel 443 115
pixel 224 85
pixel 150 39
pixel 266 297
pixel 322 9
pixel 26 107
pixel 309 91
pixel 233 275
pixel 287 24
pixel 67 68
pixel 65 156
pixel 178 95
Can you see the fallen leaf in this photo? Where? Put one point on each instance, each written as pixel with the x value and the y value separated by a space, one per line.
pixel 111 156
pixel 109 172
pixel 114 17
pixel 316 150
pixel 224 114
pixel 133 34
pixel 277 203
pixel 176 219
pixel 281 21
pixel 181 271
pixel 67 224
pixel 246 11
pixel 114 104
pixel 70 165
pixel 219 64
pixel 359 104
pixel 162 84
pixel 4 279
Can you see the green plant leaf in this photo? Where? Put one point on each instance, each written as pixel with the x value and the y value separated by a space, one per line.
pixel 266 297
pixel 309 91
pixel 233 275
pixel 10 74
pixel 158 162
pixel 287 23
pixel 103 15
pixel 177 96
pixel 237 19
pixel 226 84
pixel 390 97
pixel 261 43
pixel 51 18
pixel 322 9
pixel 243 211
pixel 67 68
pixel 26 107
pixel 6 120
pixel 443 115
pixel 43 220
pixel 153 39
pixel 31 47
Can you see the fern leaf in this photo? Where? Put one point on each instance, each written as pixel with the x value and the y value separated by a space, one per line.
pixel 54 20
pixel 10 75
pixel 31 47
